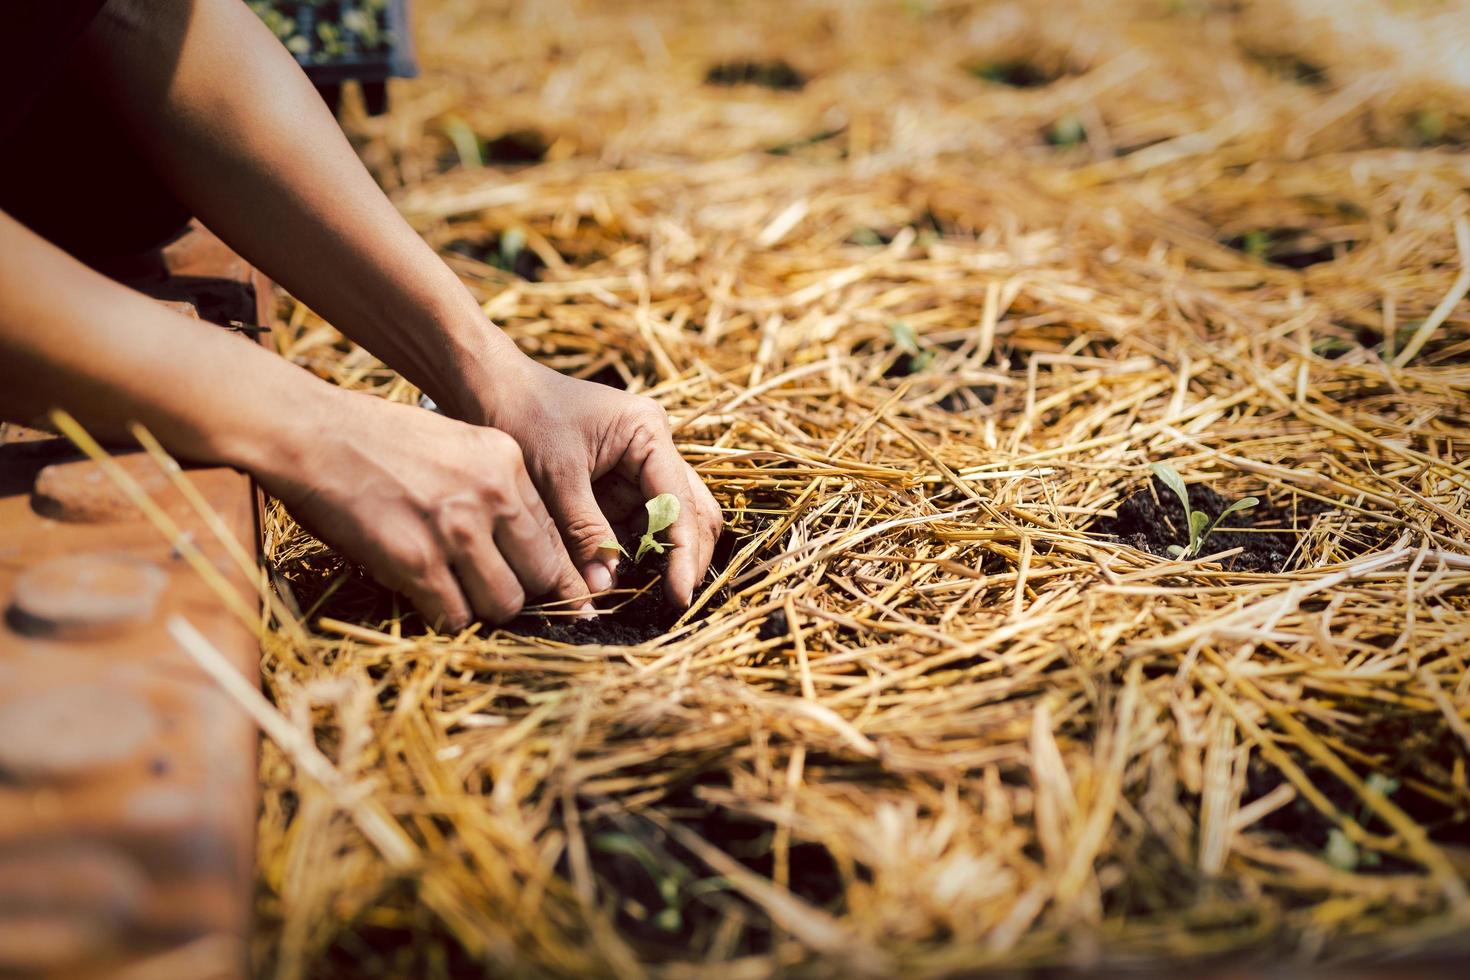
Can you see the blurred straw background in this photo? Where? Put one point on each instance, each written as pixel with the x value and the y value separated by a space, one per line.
pixel 926 290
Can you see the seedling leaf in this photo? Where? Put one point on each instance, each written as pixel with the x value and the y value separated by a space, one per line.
pixel 1175 551
pixel 1170 477
pixel 1199 526
pixel 512 243
pixel 904 336
pixel 1340 851
pixel 466 143
pixel 1244 503
pixel 1380 783
pixel 611 544
pixel 663 511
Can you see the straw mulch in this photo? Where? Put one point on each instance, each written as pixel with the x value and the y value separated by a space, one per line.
pixel 923 324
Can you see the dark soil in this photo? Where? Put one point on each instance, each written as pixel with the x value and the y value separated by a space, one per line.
pixel 671 900
pixel 774 625
pixel 968 399
pixel 1290 67
pixel 775 74
pixel 515 147
pixel 1153 519
pixel 1291 248
pixel 526 263
pixel 637 620
pixel 1017 73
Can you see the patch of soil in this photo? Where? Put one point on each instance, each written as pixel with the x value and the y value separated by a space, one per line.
pixel 636 620
pixel 1292 248
pixel 1015 73
pixel 775 74
pixel 789 147
pixel 356 598
pixel 670 900
pixel 1289 67
pixel 524 262
pixel 1153 520
pixel 968 399
pixel 515 147
pixel 927 223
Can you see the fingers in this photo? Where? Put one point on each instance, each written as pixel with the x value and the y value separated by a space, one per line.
pixel 573 505
pixel 659 468
pixel 529 541
pixel 711 518
pixel 439 599
pixel 493 591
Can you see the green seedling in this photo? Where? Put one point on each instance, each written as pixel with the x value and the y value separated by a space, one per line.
pixel 1430 125
pixel 466 143
pixel 675 885
pixel 663 511
pixel 1256 244
pixel 1066 131
pixel 512 243
pixel 1200 525
pixel 908 341
pixel 1340 851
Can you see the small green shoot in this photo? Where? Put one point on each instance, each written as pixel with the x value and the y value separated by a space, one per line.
pixel 1256 244
pixel 1200 525
pixel 663 511
pixel 1066 131
pixel 466 143
pixel 668 883
pixel 1430 126
pixel 1340 851
pixel 512 243
pixel 907 340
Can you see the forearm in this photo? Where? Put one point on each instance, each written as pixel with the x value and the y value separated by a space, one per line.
pixel 237 130
pixel 73 339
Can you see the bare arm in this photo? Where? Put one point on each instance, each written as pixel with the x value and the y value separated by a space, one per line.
pixel 442 511
pixel 239 133
pixel 242 138
pixel 73 338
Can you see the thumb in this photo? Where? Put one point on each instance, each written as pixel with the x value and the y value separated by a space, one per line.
pixel 584 528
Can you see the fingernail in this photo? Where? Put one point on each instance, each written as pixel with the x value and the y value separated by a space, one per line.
pixel 599 579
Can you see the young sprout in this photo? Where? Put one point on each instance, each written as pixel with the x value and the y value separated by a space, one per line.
pixel 1200 525
pixel 908 341
pixel 1340 851
pixel 1066 131
pixel 466 145
pixel 663 511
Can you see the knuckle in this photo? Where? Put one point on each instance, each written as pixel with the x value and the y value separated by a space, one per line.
pixel 497 496
pixel 650 413
pixel 586 530
pixel 508 606
pixel 458 524
pixel 543 575
pixel 413 558
pixel 501 447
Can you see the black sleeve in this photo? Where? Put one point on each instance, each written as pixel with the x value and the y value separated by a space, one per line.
pixel 36 37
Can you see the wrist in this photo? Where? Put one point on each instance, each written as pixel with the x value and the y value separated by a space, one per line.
pixel 283 437
pixel 479 368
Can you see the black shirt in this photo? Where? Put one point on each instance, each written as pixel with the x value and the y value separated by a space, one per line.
pixel 35 38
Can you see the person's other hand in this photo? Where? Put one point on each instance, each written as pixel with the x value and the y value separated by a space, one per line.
pixel 441 511
pixel 580 434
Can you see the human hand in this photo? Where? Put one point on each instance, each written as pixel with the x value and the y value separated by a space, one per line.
pixel 580 435
pixel 443 512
